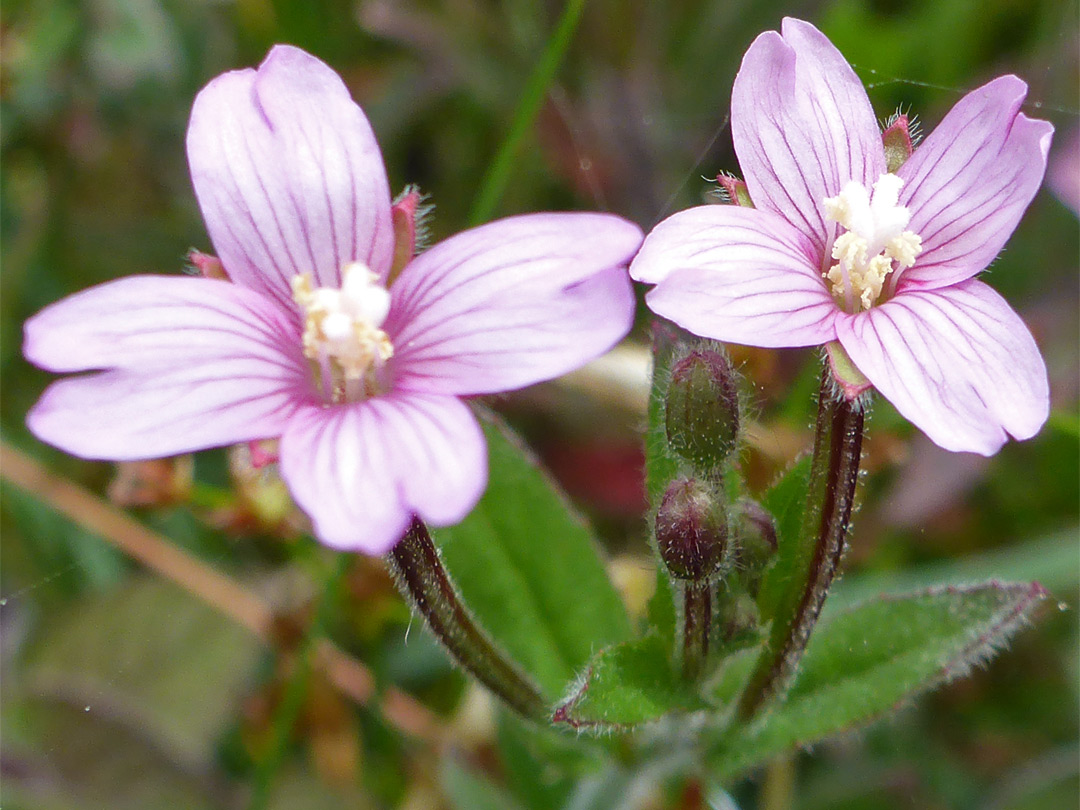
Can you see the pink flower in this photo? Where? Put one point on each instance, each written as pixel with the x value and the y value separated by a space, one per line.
pixel 839 249
pixel 362 384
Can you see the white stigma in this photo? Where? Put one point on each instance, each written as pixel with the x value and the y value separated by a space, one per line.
pixel 874 243
pixel 341 327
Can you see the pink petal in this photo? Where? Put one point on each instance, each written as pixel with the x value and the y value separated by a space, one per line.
pixel 362 470
pixel 741 275
pixel 288 174
pixel 513 302
pixel 971 180
pixel 958 362
pixel 802 126
pixel 193 363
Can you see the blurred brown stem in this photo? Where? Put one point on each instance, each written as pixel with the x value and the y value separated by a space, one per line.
pixel 232 600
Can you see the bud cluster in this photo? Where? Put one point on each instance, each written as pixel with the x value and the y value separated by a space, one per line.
pixel 710 543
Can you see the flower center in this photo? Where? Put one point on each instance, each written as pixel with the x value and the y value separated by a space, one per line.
pixel 342 337
pixel 873 243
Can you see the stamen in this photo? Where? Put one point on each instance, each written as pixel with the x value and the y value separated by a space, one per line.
pixel 341 328
pixel 874 243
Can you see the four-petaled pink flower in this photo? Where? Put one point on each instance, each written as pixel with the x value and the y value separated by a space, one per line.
pixel 362 384
pixel 839 249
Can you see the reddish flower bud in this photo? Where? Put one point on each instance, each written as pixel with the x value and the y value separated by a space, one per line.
pixel 898 142
pixel 207 266
pixel 734 191
pixel 691 532
pixel 409 215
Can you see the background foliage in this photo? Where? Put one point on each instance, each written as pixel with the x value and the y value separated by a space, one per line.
pixel 122 688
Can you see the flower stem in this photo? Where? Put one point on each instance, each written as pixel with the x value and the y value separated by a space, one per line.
pixel 696 626
pixel 422 578
pixel 834 472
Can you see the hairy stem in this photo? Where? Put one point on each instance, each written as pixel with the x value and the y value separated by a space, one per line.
pixel 425 582
pixel 834 472
pixel 696 626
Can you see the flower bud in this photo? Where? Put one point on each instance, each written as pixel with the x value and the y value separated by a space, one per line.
pixel 898 142
pixel 263 501
pixel 702 409
pixel 733 191
pixel 738 620
pixel 152 482
pixel 757 542
pixel 206 265
pixel 691 532
pixel 409 215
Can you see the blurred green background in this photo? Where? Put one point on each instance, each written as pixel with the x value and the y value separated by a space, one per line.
pixel 122 690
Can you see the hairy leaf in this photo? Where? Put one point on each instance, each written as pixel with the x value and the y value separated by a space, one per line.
pixel 871 659
pixel 786 502
pixel 626 685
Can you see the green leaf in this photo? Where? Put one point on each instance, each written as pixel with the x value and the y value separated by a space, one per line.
pixel 1048 560
pixel 869 660
pixel 91 759
pixel 152 656
pixel 786 502
pixel 627 685
pixel 531 571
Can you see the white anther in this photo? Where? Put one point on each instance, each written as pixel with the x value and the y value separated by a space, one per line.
pixel 873 239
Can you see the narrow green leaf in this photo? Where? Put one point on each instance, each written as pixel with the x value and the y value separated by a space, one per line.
pixel 869 660
pixel 786 502
pixel 626 685
pixel 530 570
pixel 498 173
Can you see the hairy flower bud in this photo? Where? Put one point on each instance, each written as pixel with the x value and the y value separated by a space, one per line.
pixel 691 532
pixel 757 542
pixel 702 409
pixel 733 191
pixel 898 142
